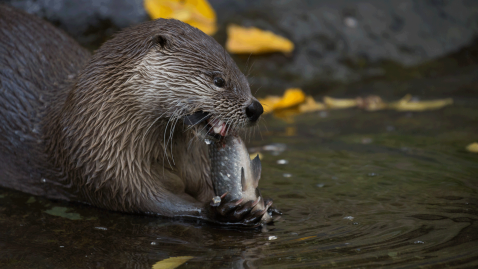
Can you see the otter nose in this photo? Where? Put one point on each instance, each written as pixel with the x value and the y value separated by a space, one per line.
pixel 254 111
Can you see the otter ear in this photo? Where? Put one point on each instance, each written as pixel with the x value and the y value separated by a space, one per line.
pixel 163 41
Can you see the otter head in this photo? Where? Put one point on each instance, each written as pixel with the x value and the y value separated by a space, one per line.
pixel 186 75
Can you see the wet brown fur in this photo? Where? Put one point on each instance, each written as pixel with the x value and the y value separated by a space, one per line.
pixel 112 135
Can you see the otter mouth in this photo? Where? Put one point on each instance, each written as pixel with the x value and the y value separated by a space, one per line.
pixel 213 127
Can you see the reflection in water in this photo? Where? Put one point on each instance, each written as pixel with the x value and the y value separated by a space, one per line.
pixel 405 198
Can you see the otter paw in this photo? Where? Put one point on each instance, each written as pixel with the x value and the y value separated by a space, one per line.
pixel 239 213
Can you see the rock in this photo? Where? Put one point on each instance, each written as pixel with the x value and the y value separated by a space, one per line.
pixel 349 40
pixel 337 41
pixel 90 22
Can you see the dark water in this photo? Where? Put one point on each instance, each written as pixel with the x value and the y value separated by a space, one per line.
pixel 360 189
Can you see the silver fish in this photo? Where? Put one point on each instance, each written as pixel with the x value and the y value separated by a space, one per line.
pixel 232 171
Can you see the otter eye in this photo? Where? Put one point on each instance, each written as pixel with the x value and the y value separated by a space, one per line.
pixel 218 81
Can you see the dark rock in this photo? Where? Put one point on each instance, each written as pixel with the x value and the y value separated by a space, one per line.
pixel 349 40
pixel 337 41
pixel 90 22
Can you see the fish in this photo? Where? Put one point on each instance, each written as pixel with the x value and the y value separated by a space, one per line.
pixel 234 173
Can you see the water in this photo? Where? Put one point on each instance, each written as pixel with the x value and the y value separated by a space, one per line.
pixel 364 189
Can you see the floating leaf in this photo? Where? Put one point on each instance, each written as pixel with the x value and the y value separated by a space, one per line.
pixel 473 147
pixel 255 41
pixel 311 105
pixel 339 103
pixel 197 13
pixel 407 104
pixel 253 155
pixel 292 97
pixel 172 262
pixel 269 102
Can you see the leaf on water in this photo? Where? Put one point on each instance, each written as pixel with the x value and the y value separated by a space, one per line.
pixel 172 262
pixel 311 105
pixel 255 41
pixel 253 155
pixel 335 103
pixel 197 13
pixel 269 102
pixel 60 211
pixel 291 98
pixel 407 104
pixel 473 147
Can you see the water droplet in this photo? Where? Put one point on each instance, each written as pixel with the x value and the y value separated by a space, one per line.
pixel 371 174
pixel 287 175
pixel 207 141
pixel 349 218
pixel 320 185
pixel 366 140
pixel 43 180
pixel 228 175
pixel 153 243
pixel 419 242
pixel 216 200
pixel 350 22
pixel 62 246
pixel 272 237
pixel 355 223
pixel 282 161
pixel 101 228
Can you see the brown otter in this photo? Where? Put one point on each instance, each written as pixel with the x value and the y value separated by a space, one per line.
pixel 112 129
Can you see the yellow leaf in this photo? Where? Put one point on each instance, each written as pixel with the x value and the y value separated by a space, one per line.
pixel 256 41
pixel 406 104
pixel 339 103
pixel 473 147
pixel 253 155
pixel 269 102
pixel 292 97
pixel 311 105
pixel 197 13
pixel 172 262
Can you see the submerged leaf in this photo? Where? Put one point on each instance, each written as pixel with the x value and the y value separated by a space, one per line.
pixel 255 41
pixel 61 211
pixel 197 13
pixel 172 262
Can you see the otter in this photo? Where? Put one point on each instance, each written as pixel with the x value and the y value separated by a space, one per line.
pixel 121 129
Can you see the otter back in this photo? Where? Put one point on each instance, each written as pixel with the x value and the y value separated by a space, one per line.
pixel 37 62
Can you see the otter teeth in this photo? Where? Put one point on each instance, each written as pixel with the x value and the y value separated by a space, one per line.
pixel 219 127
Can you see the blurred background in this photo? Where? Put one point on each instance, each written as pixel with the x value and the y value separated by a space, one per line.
pixel 347 47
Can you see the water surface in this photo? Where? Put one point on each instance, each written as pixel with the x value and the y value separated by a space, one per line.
pixel 358 190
